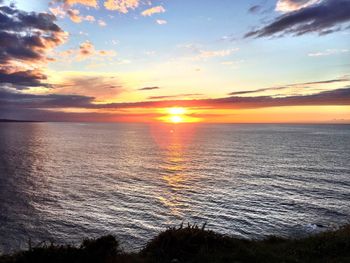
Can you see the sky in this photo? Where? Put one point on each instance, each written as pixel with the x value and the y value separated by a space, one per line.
pixel 225 61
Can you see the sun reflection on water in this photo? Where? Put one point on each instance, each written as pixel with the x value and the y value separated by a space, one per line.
pixel 174 141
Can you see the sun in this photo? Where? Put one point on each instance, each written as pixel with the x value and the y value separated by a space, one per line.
pixel 176 119
pixel 177 115
pixel 177 111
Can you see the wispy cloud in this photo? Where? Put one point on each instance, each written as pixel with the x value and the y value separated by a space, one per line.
pixel 149 88
pixel 102 23
pixel 328 81
pixel 328 52
pixel 91 85
pixel 197 52
pixel 216 53
pixel 288 86
pixel 153 10
pixel 161 22
pixel 233 63
pixel 185 95
pixel 255 9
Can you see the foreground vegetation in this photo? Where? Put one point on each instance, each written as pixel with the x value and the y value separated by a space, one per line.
pixel 194 244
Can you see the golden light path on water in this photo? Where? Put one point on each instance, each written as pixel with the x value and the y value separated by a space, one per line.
pixel 173 138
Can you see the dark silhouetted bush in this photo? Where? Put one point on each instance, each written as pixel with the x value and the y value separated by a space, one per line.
pixel 103 249
pixel 195 244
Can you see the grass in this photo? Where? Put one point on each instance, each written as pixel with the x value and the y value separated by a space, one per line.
pixel 195 244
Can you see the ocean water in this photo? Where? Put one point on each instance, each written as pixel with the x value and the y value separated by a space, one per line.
pixel 63 182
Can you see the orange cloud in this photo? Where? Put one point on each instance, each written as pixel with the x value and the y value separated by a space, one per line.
pixel 122 6
pixel 74 14
pixel 101 87
pixel 153 10
pixel 293 5
pixel 58 11
pixel 86 50
pixel 92 3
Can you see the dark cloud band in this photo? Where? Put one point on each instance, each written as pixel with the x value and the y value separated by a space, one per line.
pixel 30 101
pixel 324 18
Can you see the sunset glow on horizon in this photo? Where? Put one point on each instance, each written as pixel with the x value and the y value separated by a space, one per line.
pixel 178 115
pixel 218 62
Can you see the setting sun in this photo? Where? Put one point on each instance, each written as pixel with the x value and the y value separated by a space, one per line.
pixel 176 119
pixel 175 115
pixel 177 111
pixel 178 115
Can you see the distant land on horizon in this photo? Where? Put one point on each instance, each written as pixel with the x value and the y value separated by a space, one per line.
pixel 248 123
pixel 10 120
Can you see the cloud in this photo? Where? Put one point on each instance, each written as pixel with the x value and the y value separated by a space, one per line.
pixel 333 97
pixel 122 6
pixel 329 81
pixel 91 3
pixel 256 91
pixel 336 80
pixel 86 50
pixel 97 86
pixel 161 22
pixel 58 11
pixel 216 53
pixel 233 64
pixel 52 101
pixel 102 23
pixel 22 79
pixel 174 96
pixel 73 14
pixel 255 9
pixel 149 88
pixel 197 52
pixel 293 5
pixel 328 52
pixel 25 42
pixel 324 18
pixel 90 18
pixel 153 10
pixel 31 101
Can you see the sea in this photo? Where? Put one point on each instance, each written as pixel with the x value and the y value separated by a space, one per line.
pixel 64 182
